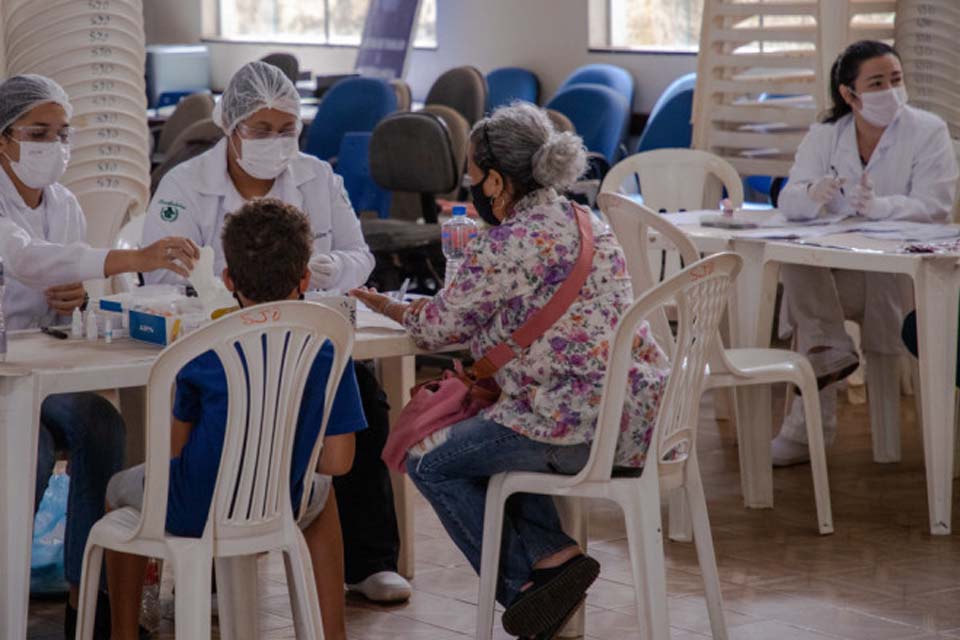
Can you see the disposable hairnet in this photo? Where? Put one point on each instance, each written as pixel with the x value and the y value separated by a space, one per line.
pixel 257 85
pixel 20 94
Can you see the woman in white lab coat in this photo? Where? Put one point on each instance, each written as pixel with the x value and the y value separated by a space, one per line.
pixel 41 245
pixel 259 157
pixel 875 157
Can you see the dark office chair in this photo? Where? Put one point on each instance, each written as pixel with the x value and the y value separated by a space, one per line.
pixel 463 89
pixel 286 62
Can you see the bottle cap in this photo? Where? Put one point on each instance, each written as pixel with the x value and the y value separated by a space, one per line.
pixel 459 210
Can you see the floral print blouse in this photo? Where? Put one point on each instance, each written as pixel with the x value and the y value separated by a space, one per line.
pixel 551 392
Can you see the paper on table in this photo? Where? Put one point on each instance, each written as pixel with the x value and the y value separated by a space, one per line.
pixel 908 231
pixel 367 318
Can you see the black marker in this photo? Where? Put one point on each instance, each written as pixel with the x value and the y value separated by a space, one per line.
pixel 56 333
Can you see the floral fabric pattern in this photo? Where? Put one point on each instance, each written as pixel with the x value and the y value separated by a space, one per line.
pixel 551 392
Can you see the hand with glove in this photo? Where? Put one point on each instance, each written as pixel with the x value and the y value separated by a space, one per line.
pixel 865 202
pixel 825 189
pixel 325 269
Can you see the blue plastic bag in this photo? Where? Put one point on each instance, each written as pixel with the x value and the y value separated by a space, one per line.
pixel 46 554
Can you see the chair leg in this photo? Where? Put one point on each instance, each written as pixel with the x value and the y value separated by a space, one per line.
pixel 237 599
pixel 883 392
pixel 706 556
pixel 818 458
pixel 89 590
pixel 304 601
pixel 490 556
pixel 193 571
pixel 574 523
pixel 679 527
pixel 645 539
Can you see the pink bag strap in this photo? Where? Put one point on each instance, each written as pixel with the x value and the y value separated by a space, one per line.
pixel 541 321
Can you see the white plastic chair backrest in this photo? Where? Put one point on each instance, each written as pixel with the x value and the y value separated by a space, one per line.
pixel 131 233
pixel 700 294
pixel 955 218
pixel 267 352
pixel 675 179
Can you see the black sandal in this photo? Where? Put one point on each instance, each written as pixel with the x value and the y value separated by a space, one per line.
pixel 551 599
pixel 552 632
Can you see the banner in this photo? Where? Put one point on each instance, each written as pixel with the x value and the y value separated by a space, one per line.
pixel 387 36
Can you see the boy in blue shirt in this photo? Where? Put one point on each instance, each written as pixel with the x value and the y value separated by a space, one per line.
pixel 267 247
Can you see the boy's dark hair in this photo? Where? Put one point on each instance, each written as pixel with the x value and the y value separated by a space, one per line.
pixel 845 70
pixel 266 244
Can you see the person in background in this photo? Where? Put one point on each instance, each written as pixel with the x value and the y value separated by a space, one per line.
pixel 546 415
pixel 875 157
pixel 267 246
pixel 46 261
pixel 260 114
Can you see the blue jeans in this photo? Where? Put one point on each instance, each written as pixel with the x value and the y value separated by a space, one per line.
pixel 453 477
pixel 89 428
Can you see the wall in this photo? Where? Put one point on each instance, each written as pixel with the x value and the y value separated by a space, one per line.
pixel 549 37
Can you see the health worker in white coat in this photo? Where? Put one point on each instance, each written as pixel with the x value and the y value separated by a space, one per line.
pixel 259 157
pixel 41 244
pixel 873 157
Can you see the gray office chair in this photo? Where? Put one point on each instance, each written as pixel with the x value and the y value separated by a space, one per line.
pixel 286 62
pixel 463 89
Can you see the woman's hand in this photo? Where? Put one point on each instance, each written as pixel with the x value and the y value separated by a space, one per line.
pixel 384 305
pixel 174 254
pixel 66 297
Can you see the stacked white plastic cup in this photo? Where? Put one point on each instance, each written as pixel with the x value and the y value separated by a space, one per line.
pixel 95 50
pixel 926 38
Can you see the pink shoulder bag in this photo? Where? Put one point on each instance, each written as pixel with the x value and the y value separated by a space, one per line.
pixel 459 394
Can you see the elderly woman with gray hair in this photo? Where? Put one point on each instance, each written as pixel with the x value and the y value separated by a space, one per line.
pixel 545 417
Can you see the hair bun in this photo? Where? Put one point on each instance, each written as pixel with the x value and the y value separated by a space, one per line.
pixel 560 161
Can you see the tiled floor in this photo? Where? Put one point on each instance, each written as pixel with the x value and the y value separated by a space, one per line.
pixel 881 576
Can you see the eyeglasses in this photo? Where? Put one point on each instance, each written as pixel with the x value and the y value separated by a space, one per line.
pixel 258 133
pixel 41 133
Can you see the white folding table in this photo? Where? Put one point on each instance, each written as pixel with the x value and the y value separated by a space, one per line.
pixel 936 280
pixel 38 365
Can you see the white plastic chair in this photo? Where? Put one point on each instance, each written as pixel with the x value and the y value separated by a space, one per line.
pixel 700 293
pixel 251 512
pixel 729 368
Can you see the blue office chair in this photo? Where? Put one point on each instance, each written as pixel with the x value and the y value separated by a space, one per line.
pixel 353 165
pixel 353 104
pixel 598 113
pixel 669 124
pixel 511 83
pixel 608 75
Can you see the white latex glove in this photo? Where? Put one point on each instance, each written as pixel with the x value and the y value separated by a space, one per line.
pixel 324 270
pixel 865 202
pixel 825 189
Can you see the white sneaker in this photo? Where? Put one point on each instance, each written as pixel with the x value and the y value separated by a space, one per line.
pixel 832 365
pixel 786 452
pixel 385 586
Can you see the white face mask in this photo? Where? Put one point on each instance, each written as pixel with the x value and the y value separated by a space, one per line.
pixel 41 163
pixel 268 158
pixel 879 108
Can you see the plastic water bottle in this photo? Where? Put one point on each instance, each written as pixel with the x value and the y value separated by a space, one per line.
pixel 3 324
pixel 150 605
pixel 455 234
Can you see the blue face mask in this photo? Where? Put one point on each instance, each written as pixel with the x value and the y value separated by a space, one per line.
pixel 483 204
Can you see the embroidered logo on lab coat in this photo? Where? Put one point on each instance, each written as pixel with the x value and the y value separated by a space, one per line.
pixel 170 211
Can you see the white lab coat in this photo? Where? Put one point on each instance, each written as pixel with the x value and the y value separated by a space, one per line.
pixel 40 248
pixel 914 164
pixel 194 198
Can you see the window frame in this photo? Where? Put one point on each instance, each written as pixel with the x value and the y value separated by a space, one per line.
pixel 603 9
pixel 274 40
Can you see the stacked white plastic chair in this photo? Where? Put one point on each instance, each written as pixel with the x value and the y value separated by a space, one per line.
pixel 926 37
pixel 95 50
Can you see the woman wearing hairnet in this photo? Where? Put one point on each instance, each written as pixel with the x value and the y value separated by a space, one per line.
pixel 259 157
pixel 41 245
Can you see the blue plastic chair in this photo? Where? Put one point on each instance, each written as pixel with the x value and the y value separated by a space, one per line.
pixel 598 113
pixel 608 75
pixel 353 165
pixel 669 124
pixel 511 83
pixel 353 104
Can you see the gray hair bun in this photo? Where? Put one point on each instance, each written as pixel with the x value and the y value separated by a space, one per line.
pixel 560 161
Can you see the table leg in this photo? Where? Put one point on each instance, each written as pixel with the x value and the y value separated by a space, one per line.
pixel 753 301
pixel 397 376
pixel 133 408
pixel 19 426
pixel 937 297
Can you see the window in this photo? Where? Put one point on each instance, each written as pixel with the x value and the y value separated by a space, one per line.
pixel 669 25
pixel 316 21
